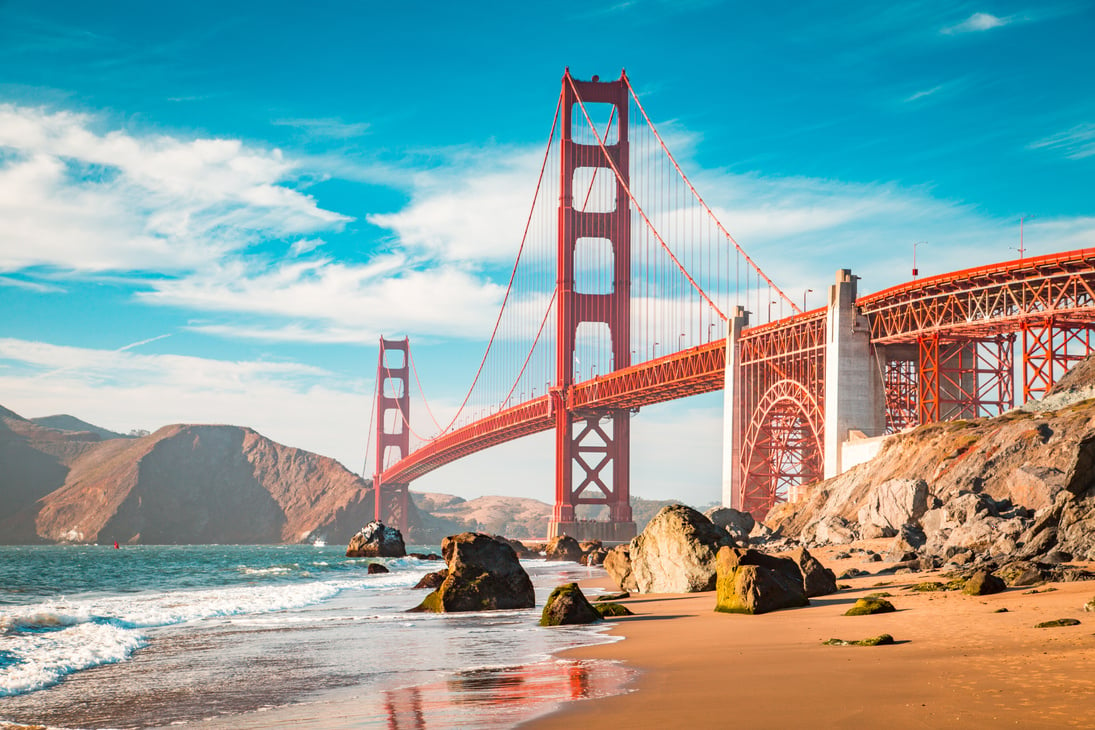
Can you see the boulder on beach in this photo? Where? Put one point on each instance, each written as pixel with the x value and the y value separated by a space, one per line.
pixel 432 580
pixel 983 583
pixel 563 547
pixel 484 574
pixel 568 605
pixel 617 564
pixel 593 557
pixel 739 524
pixel 817 580
pixel 676 552
pixel 375 568
pixel 868 606
pixel 753 582
pixel 376 540
pixel 612 610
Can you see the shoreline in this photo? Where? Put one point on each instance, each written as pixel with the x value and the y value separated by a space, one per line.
pixel 957 661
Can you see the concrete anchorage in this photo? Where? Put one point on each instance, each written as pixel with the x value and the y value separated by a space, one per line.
pixel 855 398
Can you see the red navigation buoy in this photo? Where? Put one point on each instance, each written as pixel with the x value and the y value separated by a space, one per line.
pixel 115 544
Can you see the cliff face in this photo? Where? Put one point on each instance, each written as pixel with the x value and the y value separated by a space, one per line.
pixel 182 484
pixel 1021 484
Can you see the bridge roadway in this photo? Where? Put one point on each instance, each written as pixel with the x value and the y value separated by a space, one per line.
pixel 1058 289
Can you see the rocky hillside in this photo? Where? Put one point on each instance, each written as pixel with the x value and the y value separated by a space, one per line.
pixel 65 422
pixel 181 484
pixel 1021 485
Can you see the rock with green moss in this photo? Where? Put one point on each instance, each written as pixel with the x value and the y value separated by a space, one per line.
pixel 568 605
pixel 1056 623
pixel 484 574
pixel 868 606
pixel 749 581
pixel 613 596
pixel 928 587
pixel 880 640
pixel 612 609
pixel 983 583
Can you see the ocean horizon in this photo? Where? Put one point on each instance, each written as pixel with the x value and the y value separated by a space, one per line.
pixel 271 636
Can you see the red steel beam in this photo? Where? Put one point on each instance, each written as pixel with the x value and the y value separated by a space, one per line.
pixel 689 372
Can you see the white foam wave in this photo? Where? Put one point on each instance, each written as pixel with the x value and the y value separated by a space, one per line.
pixel 44 659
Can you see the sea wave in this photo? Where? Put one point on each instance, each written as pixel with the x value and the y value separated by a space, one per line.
pixel 37 661
pixel 43 643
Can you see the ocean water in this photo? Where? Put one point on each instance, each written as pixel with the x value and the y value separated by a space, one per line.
pixel 268 636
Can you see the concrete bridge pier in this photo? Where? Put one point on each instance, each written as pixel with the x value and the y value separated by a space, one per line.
pixel 855 398
pixel 733 423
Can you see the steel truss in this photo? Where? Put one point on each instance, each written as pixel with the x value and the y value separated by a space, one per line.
pixel 782 376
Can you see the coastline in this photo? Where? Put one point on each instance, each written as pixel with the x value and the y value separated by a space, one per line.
pixel 958 662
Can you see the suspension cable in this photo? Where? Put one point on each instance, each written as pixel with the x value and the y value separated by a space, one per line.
pixel 700 200
pixel 639 209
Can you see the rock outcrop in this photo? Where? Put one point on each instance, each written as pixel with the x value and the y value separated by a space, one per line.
pixel 976 493
pixel 484 575
pixel 182 484
pixel 376 540
pixel 752 582
pixel 568 605
pixel 676 552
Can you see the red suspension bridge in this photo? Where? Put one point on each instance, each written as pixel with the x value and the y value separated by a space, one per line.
pixel 628 291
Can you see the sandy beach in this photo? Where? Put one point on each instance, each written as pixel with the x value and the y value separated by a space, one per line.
pixel 958 661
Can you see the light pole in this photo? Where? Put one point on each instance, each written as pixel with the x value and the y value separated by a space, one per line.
pixel 680 342
pixel 808 291
pixel 770 303
pixel 1021 249
pixel 916 270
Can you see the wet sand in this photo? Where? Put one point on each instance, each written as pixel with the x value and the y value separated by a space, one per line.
pixel 957 661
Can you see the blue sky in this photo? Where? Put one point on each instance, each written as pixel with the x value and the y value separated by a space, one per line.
pixel 209 212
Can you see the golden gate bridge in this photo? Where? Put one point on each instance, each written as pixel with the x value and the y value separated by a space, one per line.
pixel 627 291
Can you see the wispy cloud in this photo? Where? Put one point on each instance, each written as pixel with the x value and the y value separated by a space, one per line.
pixel 1075 143
pixel 977 23
pixel 33 286
pixel 924 94
pixel 326 128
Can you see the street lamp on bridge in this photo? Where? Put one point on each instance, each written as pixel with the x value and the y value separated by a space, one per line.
pixel 915 270
pixel 808 291
pixel 1021 249
pixel 770 303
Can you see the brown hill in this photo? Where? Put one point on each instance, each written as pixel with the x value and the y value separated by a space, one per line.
pixel 65 422
pixel 182 484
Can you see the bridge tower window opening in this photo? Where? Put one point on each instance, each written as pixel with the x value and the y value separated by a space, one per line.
pixel 595 189
pixel 594 264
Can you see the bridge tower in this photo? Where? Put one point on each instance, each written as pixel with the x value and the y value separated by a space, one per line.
pixel 592 447
pixel 392 395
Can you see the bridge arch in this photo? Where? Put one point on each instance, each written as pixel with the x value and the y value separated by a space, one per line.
pixel 782 446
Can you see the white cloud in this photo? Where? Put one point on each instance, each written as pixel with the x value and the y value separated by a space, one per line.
pixel 474 209
pixel 977 23
pixel 79 200
pixel 326 301
pixel 1076 143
